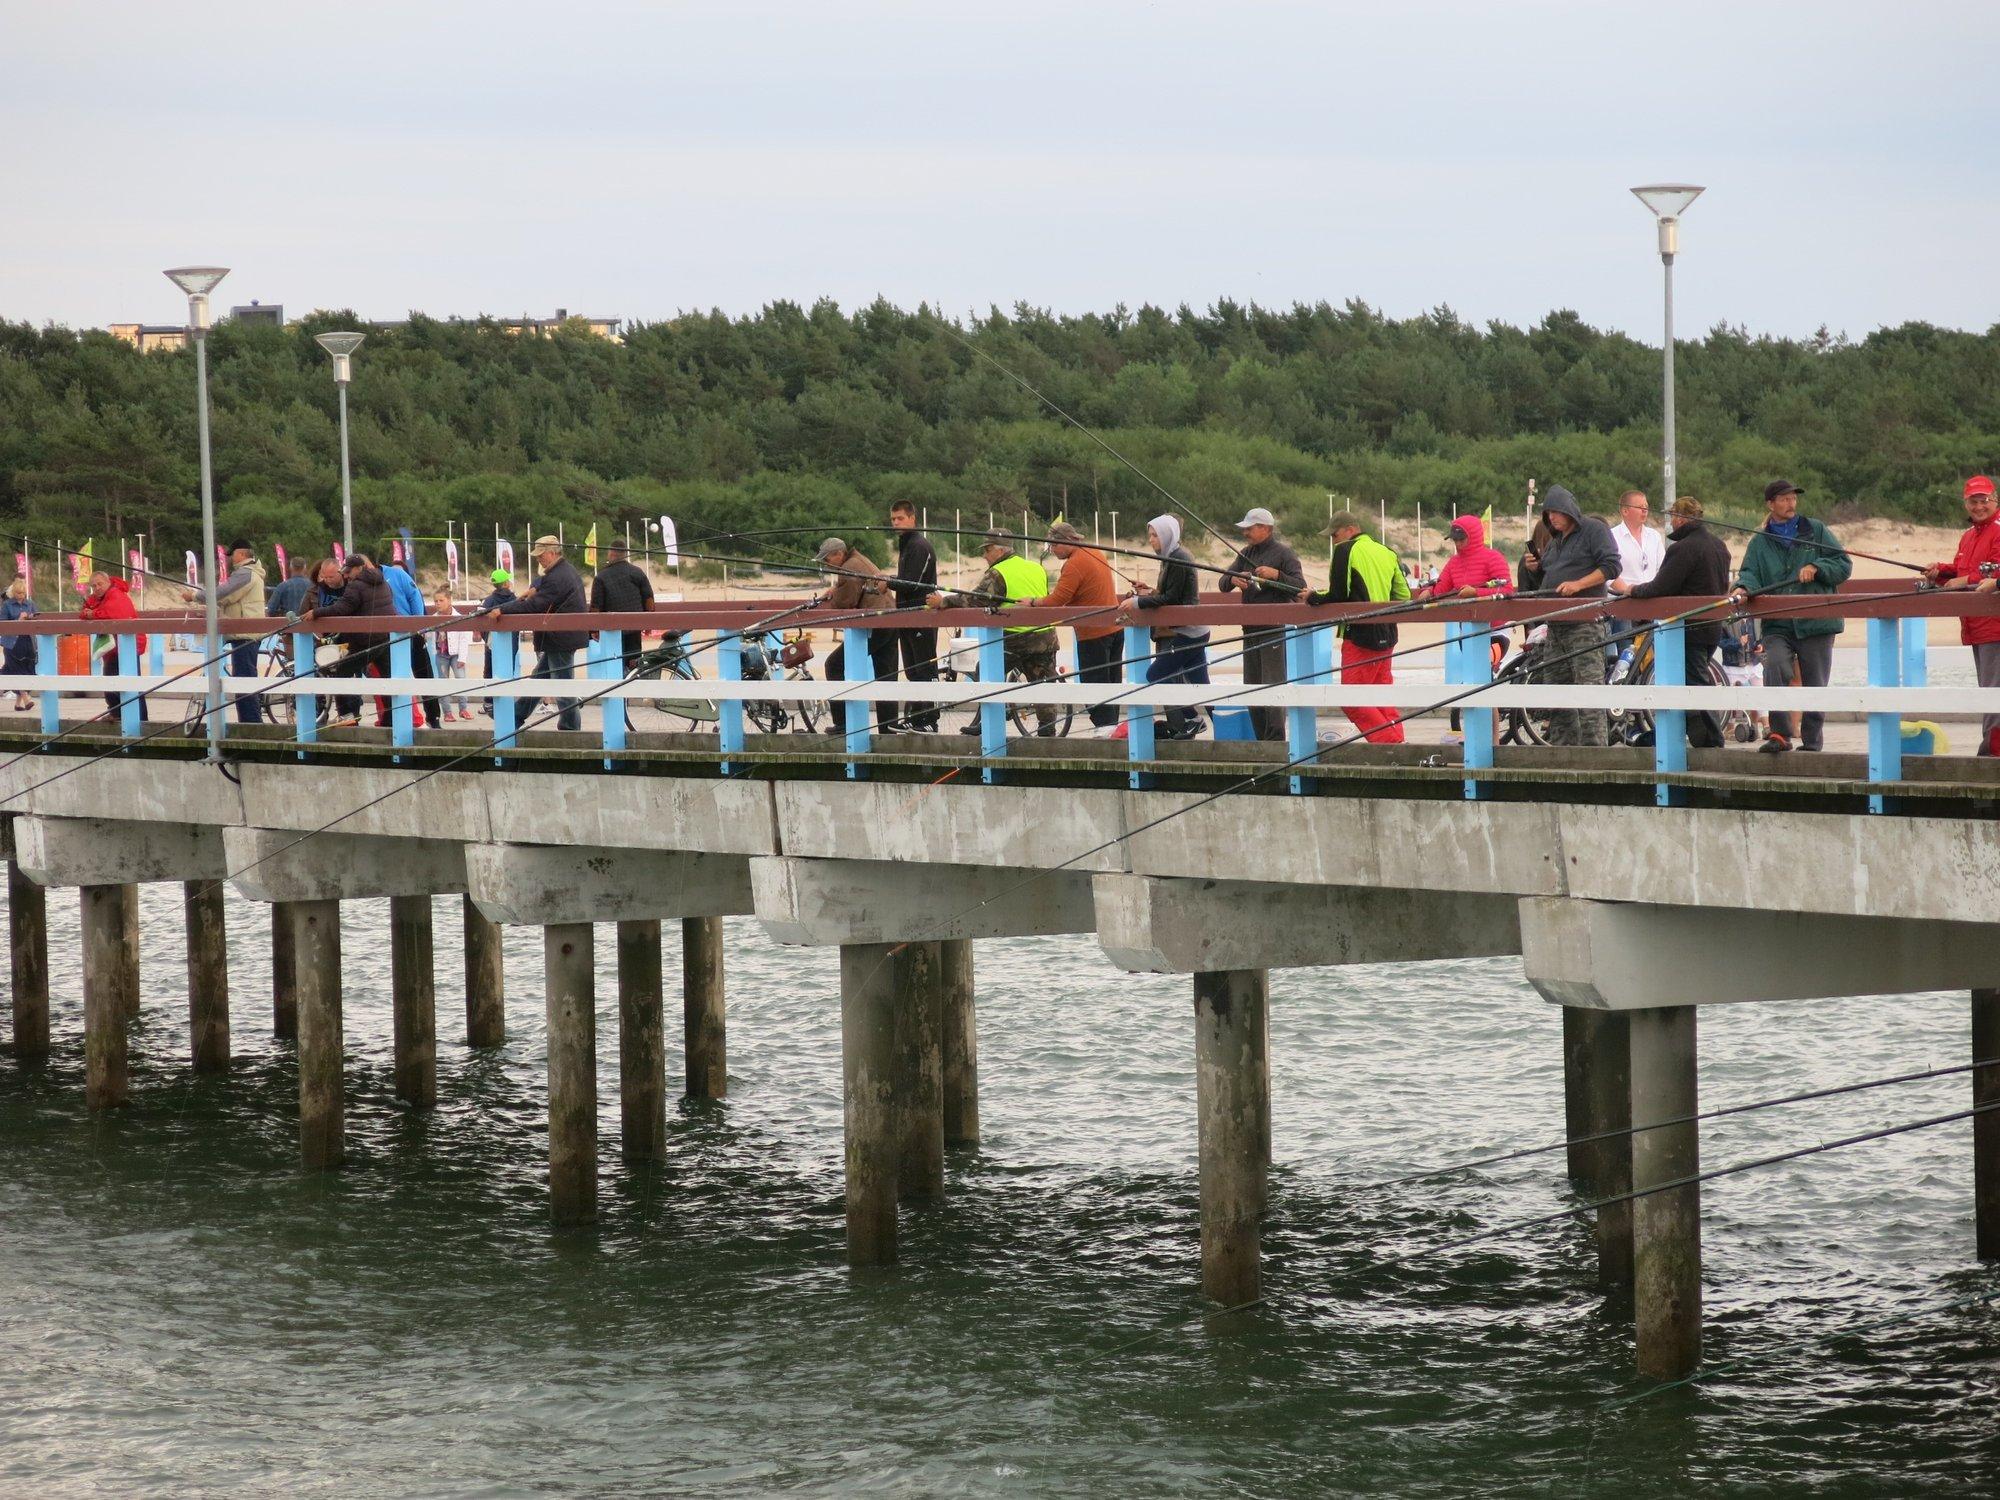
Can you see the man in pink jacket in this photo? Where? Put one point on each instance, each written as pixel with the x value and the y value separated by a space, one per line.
pixel 1475 571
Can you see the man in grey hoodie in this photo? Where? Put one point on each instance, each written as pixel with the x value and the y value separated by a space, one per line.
pixel 1577 561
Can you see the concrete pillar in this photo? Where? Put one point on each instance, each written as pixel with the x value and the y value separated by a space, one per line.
pixel 315 942
pixel 284 974
pixel 1986 1127
pixel 704 1037
pixel 1605 1067
pixel 413 986
pixel 1232 1094
pixel 208 974
pixel 568 967
pixel 868 1048
pixel 642 1041
pixel 110 972
pixel 485 979
pixel 919 1001
pixel 1576 1104
pixel 28 945
pixel 1666 1226
pixel 960 1044
pixel 129 916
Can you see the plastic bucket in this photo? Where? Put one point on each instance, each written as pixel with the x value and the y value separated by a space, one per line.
pixel 73 655
pixel 1233 724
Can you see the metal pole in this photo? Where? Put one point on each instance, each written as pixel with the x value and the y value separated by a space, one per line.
pixel 214 633
pixel 346 485
pixel 1668 493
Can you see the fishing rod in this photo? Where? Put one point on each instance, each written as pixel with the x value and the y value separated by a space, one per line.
pixel 1707 1114
pixel 1799 541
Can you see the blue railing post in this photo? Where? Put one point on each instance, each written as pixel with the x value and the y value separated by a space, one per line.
pixel 305 706
pixel 1670 751
pixel 857 667
pixel 605 662
pixel 399 704
pixel 503 655
pixel 992 715
pixel 45 666
pixel 1301 724
pixel 1138 716
pixel 156 654
pixel 1916 652
pixel 1475 669
pixel 128 703
pixel 729 715
pixel 1885 730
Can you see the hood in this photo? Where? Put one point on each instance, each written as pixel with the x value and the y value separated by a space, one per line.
pixel 1474 529
pixel 115 586
pixel 1563 503
pixel 1169 530
pixel 1686 528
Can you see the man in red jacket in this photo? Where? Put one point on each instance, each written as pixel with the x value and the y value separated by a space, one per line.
pixel 111 599
pixel 1977 567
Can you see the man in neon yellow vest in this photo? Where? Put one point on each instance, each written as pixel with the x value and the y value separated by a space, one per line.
pixel 1365 572
pixel 1031 649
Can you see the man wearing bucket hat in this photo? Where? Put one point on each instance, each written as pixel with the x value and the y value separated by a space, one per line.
pixel 1266 571
pixel 1976 566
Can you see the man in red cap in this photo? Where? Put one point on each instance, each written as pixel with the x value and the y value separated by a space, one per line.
pixel 1977 567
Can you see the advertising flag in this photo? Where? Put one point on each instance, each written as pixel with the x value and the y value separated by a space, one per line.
pixel 450 563
pixel 670 542
pixel 193 570
pixel 503 554
pixel 590 546
pixel 279 548
pixel 409 552
pixel 339 555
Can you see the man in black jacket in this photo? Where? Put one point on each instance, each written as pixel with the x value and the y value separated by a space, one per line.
pixel 622 587
pixel 363 591
pixel 1696 564
pixel 558 591
pixel 915 582
pixel 1267 572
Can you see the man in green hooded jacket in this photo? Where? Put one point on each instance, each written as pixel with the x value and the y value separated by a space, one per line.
pixel 1794 554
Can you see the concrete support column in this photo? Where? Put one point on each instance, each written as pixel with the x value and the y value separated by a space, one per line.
pixel 1604 1057
pixel 208 974
pixel 110 974
pixel 1576 1104
pixel 1232 1093
pixel 1666 1226
pixel 868 1047
pixel 284 973
pixel 1986 1127
pixel 413 986
pixel 568 965
pixel 960 1044
pixel 129 915
pixel 315 942
pixel 919 1005
pixel 485 979
pixel 704 1038
pixel 642 1041
pixel 28 947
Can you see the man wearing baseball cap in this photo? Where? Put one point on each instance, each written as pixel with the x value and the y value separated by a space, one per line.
pixel 1266 571
pixel 1977 567
pixel 1794 554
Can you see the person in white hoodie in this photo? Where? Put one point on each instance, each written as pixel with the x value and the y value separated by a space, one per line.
pixel 1180 652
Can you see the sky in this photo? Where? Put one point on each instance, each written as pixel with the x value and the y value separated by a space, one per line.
pixel 635 160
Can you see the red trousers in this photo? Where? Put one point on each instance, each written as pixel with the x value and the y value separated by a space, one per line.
pixel 1361 664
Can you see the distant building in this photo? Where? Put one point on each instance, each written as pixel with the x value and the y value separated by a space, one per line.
pixel 150 337
pixel 257 312
pixel 147 337
pixel 542 328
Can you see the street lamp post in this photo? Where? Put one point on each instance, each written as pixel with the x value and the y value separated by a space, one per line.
pixel 198 282
pixel 1668 201
pixel 342 346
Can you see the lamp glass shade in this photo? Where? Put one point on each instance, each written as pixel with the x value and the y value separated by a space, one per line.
pixel 197 281
pixel 338 344
pixel 1669 200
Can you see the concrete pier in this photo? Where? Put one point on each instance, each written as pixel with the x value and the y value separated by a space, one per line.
pixel 642 1041
pixel 110 974
pixel 869 1056
pixel 568 961
pixel 1607 1107
pixel 284 975
pixel 1233 1102
pixel 919 1005
pixel 28 951
pixel 705 1050
pixel 413 986
pixel 129 914
pixel 1986 1127
pixel 322 1045
pixel 1576 1107
pixel 960 1044
pixel 1666 1226
pixel 208 974
pixel 485 979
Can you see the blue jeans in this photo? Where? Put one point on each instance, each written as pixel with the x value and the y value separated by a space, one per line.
pixel 243 663
pixel 1180 660
pixel 552 663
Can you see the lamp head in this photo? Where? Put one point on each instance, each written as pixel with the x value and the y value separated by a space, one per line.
pixel 1668 201
pixel 197 282
pixel 341 346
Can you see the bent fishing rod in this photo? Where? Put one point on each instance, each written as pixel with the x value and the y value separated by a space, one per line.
pixel 1797 541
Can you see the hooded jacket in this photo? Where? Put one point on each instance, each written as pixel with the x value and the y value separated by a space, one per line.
pixel 1696 563
pixel 1475 565
pixel 1363 571
pixel 366 593
pixel 1585 548
pixel 1176 587
pixel 115 603
pixel 1771 560
pixel 1980 544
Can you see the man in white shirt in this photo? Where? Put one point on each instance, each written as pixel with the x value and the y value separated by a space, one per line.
pixel 1641 549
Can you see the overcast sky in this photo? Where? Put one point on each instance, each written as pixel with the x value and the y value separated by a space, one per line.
pixel 632 160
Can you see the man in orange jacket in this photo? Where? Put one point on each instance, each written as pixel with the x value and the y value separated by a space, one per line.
pixel 1086 582
pixel 1977 567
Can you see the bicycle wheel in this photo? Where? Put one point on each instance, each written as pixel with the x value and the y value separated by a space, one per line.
pixel 1023 715
pixel 279 708
pixel 671 715
pixel 1523 726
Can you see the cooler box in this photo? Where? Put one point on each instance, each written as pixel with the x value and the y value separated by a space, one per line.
pixel 1233 724
pixel 1922 737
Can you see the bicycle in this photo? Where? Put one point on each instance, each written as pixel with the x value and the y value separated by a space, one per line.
pixel 1020 715
pixel 773 658
pixel 669 659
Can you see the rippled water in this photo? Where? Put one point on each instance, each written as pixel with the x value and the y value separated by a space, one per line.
pixel 182 1310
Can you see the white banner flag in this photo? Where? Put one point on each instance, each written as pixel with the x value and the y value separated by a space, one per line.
pixel 193 571
pixel 503 554
pixel 451 564
pixel 670 543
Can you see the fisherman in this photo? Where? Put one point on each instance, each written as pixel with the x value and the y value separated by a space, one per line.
pixel 1363 571
pixel 1086 582
pixel 1695 565
pixel 1577 561
pixel 111 599
pixel 915 581
pixel 622 587
pixel 1794 554
pixel 502 593
pixel 857 585
pixel 1008 580
pixel 1976 566
pixel 362 591
pixel 1266 571
pixel 409 604
pixel 1473 571
pixel 1180 652
pixel 240 596
pixel 558 590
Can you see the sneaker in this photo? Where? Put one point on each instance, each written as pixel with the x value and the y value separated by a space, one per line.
pixel 1452 737
pixel 972 728
pixel 1045 731
pixel 1776 744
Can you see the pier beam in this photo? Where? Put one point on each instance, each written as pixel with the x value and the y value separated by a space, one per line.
pixel 28 951
pixel 919 1001
pixel 208 974
pixel 642 1042
pixel 322 1045
pixel 868 1047
pixel 959 1045
pixel 413 985
pixel 1232 1092
pixel 1986 1127
pixel 485 979
pixel 110 973
pixel 284 974
pixel 1666 1226
pixel 569 973
pixel 704 1033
